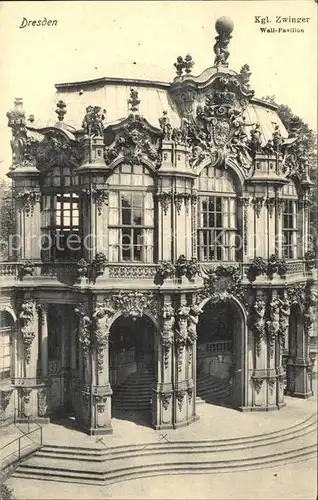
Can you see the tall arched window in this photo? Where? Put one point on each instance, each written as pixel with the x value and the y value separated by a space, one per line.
pixel 289 221
pixel 131 214
pixel 60 215
pixel 216 216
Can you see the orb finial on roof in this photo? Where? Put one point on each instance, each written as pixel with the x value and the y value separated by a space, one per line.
pixel 224 27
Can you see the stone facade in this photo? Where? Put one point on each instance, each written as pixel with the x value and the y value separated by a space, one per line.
pixel 166 270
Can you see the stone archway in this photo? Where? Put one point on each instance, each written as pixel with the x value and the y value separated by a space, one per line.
pixel 221 353
pixel 132 367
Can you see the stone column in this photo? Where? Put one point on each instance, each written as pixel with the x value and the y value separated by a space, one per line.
pixel 83 410
pixel 44 340
pixel 275 370
pixel 259 374
pixel 101 389
pixel 162 406
pixel 29 384
pixel 180 368
pixel 302 364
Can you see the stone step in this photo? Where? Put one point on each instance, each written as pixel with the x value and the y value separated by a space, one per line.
pixel 121 470
pixel 188 448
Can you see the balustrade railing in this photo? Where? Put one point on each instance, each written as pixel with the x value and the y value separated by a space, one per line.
pixel 216 347
pixel 68 270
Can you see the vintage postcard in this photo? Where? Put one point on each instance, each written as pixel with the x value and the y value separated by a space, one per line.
pixel 158 243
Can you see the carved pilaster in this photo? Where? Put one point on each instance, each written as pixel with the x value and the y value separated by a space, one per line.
pixel 244 201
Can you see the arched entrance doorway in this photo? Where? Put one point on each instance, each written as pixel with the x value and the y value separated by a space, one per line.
pixel 132 362
pixel 220 354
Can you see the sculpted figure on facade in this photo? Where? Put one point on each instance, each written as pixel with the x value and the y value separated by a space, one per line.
pixel 193 321
pixel 255 142
pixel 273 325
pixel 221 49
pixel 277 139
pixel 85 324
pixel 284 319
pixel 100 323
pixel 165 126
pixel 93 122
pixel 309 314
pixel 258 323
pixel 26 318
pixel 167 332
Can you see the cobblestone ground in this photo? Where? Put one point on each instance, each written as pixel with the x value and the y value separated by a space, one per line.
pixel 296 481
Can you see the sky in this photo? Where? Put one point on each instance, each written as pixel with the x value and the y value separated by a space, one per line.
pixel 142 40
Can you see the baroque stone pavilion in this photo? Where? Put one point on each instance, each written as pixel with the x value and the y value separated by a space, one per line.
pixel 160 255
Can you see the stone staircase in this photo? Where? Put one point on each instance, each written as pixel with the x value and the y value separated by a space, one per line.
pixel 136 392
pixel 211 389
pixel 120 463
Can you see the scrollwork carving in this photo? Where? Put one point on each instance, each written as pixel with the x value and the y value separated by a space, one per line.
pixel 28 200
pixel 166 398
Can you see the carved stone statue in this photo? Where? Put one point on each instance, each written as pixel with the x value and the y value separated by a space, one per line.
pixel 221 49
pixel 277 139
pixel 26 318
pixel 255 143
pixel 167 333
pixel 259 313
pixel 183 315
pixel 194 314
pixel 245 75
pixel 93 121
pixel 275 315
pixel 309 314
pixel 165 126
pixel 284 319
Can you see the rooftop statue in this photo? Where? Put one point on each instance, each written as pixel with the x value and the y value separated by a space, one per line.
pixel 93 121
pixel 224 27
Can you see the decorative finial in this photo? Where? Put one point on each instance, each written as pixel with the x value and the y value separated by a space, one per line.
pixel 245 75
pixel 179 65
pixel 188 63
pixel 60 110
pixel 224 27
pixel 134 101
pixel 184 64
pixel 16 117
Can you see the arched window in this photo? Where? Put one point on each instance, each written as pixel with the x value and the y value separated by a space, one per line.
pixel 131 214
pixel 60 215
pixel 6 325
pixel 216 216
pixel 289 221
